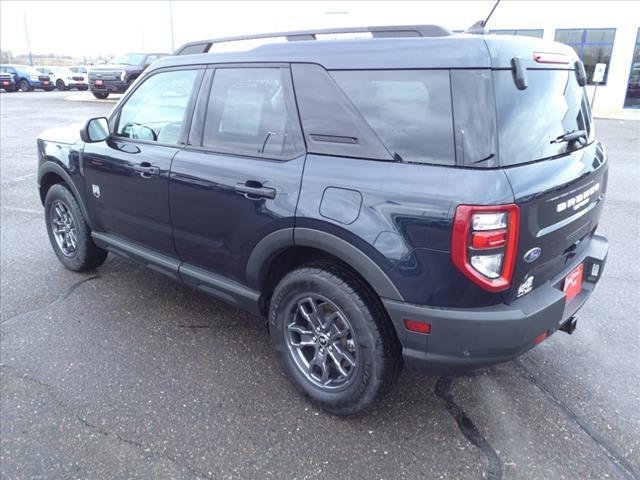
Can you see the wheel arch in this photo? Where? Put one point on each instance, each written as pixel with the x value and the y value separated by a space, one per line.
pixel 302 245
pixel 50 174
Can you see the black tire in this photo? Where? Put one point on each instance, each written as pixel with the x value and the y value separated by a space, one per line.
pixel 377 352
pixel 24 86
pixel 87 255
pixel 61 86
pixel 100 95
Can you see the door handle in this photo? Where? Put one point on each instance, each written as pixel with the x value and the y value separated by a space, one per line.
pixel 146 170
pixel 254 190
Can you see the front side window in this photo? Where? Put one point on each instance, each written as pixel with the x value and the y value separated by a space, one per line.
pixel 251 112
pixel 593 45
pixel 155 111
pixel 410 110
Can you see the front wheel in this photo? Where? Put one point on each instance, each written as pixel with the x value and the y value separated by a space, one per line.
pixel 333 339
pixel 24 86
pixel 100 95
pixel 69 235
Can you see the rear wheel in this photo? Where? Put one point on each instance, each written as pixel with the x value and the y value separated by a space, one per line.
pixel 69 235
pixel 60 85
pixel 100 95
pixel 24 86
pixel 333 338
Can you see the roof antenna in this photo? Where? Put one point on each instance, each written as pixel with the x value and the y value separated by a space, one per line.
pixel 479 26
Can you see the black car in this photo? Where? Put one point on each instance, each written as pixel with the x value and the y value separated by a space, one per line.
pixel 418 198
pixel 117 76
pixel 7 82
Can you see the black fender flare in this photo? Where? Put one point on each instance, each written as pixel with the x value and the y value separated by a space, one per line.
pixel 51 167
pixel 326 242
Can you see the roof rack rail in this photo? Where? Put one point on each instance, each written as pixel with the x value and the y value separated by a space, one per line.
pixel 203 46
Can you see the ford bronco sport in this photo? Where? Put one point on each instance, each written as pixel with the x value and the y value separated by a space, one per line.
pixel 416 198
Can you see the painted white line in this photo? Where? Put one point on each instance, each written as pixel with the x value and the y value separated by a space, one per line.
pixel 22 210
pixel 19 179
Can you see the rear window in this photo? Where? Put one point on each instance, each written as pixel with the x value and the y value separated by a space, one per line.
pixel 530 120
pixel 410 111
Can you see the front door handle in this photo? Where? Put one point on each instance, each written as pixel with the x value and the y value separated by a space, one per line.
pixel 146 170
pixel 254 190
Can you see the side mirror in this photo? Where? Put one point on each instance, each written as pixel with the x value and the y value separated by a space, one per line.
pixel 95 130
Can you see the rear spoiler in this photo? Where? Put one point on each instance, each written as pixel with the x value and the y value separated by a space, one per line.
pixel 519 70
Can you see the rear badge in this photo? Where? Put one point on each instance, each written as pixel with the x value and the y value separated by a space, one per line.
pixel 96 190
pixel 532 255
pixel 526 286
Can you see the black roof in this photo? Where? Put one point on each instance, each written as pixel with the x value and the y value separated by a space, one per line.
pixel 402 52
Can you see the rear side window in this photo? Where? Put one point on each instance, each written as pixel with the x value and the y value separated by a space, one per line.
pixel 251 111
pixel 410 111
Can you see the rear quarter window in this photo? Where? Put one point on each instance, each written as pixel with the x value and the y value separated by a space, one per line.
pixel 409 110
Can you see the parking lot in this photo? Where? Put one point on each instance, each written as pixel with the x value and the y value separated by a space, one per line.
pixel 121 373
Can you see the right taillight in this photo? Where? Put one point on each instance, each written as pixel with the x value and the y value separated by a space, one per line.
pixel 484 243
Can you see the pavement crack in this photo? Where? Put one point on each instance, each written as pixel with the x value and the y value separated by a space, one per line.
pixel 61 297
pixel 145 450
pixel 467 427
pixel 612 453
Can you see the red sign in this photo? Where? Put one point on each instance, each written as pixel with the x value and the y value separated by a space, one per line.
pixel 573 282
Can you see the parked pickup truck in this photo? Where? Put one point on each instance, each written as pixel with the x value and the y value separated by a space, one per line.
pixel 420 198
pixel 117 76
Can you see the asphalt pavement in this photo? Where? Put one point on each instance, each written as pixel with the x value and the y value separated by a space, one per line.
pixel 121 373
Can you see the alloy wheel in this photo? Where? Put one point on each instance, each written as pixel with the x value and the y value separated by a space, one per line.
pixel 63 227
pixel 321 342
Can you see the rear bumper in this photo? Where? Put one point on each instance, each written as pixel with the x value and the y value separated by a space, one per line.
pixel 466 339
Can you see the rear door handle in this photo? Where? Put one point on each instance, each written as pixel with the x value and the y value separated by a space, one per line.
pixel 146 170
pixel 254 190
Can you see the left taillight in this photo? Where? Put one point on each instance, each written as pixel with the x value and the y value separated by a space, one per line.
pixel 484 243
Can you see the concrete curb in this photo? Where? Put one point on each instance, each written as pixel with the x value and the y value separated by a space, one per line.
pixel 83 97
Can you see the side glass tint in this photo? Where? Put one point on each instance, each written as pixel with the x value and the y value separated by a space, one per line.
pixel 155 111
pixel 410 110
pixel 251 111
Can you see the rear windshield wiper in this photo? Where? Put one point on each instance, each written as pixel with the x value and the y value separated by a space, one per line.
pixel 571 137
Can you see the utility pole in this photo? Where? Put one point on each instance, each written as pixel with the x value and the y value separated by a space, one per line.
pixel 26 32
pixel 173 48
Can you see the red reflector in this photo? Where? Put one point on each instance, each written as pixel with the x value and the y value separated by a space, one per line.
pixel 418 327
pixel 541 337
pixel 494 239
pixel 549 57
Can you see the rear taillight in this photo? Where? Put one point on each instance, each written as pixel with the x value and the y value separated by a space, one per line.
pixel 484 243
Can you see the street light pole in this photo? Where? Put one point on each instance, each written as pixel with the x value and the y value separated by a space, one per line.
pixel 171 23
pixel 26 32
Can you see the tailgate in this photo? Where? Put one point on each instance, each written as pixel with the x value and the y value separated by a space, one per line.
pixel 560 204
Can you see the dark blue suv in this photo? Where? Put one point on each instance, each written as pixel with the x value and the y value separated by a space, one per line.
pixel 416 198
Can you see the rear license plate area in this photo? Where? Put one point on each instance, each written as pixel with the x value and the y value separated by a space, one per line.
pixel 573 282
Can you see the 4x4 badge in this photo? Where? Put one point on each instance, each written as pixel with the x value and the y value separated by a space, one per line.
pixel 532 255
pixel 96 190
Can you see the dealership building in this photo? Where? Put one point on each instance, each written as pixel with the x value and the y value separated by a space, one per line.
pixel 600 32
pixel 604 31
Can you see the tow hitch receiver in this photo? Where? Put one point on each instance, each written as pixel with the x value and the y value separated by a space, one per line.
pixel 570 325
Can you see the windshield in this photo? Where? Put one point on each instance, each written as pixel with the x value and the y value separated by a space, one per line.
pixel 531 121
pixel 129 59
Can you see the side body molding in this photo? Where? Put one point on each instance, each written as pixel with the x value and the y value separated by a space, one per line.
pixel 308 237
pixel 351 255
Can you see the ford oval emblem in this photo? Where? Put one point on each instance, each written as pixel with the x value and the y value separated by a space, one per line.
pixel 532 255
